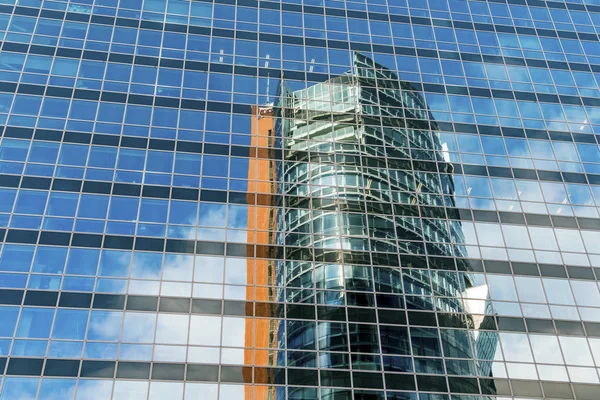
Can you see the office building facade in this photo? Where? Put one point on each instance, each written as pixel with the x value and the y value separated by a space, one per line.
pixel 299 200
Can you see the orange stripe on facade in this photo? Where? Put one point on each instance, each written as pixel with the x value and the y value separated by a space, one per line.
pixel 260 332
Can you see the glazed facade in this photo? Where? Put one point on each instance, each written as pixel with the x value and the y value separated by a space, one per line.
pixel 299 199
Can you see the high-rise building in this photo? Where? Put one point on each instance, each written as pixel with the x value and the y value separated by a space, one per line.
pixel 299 199
pixel 357 147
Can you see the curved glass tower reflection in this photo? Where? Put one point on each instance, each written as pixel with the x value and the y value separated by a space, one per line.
pixel 359 151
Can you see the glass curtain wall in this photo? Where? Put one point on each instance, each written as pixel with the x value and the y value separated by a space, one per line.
pixel 299 199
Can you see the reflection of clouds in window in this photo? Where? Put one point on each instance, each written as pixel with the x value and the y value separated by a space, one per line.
pixel 468 230
pixel 19 388
pixel 146 288
pixel 569 240
pixel 146 265
pixel 506 108
pixel 595 346
pixel 237 236
pixel 57 389
pixel 478 187
pixel 205 330
pixel 204 391
pixel 554 192
pixel 234 332
pixel 546 349
pixel 502 288
pixel 115 263
pixel 237 216
pixel 135 352
pixel 541 149
pixel 231 292
pixel 583 375
pixel 105 325
pixel 178 267
pixel 591 240
pixel 150 266
pixel 516 236
pixel 111 285
pixel 521 255
pixel 93 389
pixel 182 232
pixel 579 194
pixel 586 293
pixel 215 217
pixel 498 368
pixel 169 353
pixel 183 213
pixel 493 145
pixel 542 238
pixel 176 289
pixel 517 147
pixel 529 190
pixel 518 74
pixel 209 269
pixel 138 327
pixel 236 271
pixel 101 351
pixel 575 114
pixel 232 392
pixel 208 291
pixel 576 350
pixel 553 373
pixel 212 215
pixel 165 390
pixel 172 329
pixel 489 234
pixel 521 371
pixel 130 390
pixel 558 291
pixel 516 347
pixel 203 355
pixel 530 289
pixel 504 188
pixel 468 143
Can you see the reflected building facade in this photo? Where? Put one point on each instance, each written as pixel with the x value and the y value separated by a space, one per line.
pixel 357 150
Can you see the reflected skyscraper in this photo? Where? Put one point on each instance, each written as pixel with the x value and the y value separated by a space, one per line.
pixel 361 160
